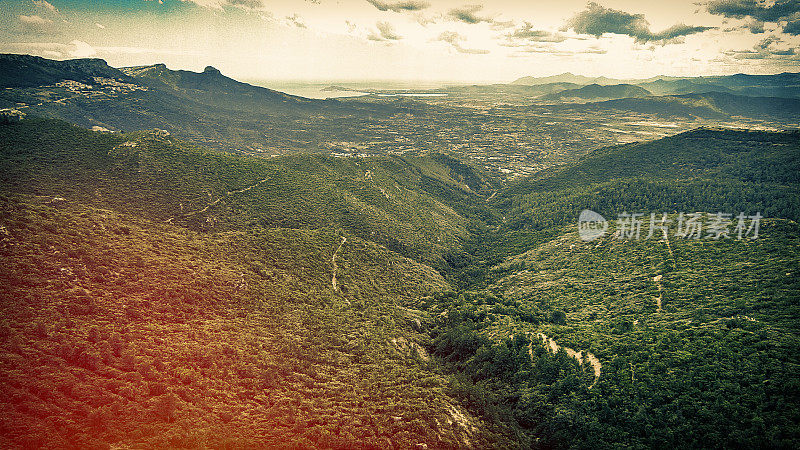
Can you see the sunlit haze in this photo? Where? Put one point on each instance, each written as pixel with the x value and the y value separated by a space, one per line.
pixel 446 40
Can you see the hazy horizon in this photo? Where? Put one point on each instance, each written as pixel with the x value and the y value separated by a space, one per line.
pixel 434 41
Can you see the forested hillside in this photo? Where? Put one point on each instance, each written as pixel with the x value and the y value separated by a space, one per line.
pixel 416 206
pixel 160 294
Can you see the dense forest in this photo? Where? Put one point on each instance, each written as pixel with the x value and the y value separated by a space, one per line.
pixel 160 294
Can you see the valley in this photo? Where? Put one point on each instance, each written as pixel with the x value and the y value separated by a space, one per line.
pixel 194 262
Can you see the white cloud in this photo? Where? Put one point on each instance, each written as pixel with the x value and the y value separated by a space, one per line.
pixel 221 4
pixel 81 49
pixel 46 5
pixel 454 39
pixel 144 51
pixel 57 50
pixel 34 20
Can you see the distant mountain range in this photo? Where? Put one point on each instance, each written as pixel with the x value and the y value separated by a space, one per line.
pixel 157 293
pixel 710 105
pixel 567 77
pixel 205 107
pixel 785 84
pixel 598 92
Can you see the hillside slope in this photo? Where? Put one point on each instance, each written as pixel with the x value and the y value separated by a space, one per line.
pixel 120 331
pixel 206 108
pixel 596 92
pixel 638 342
pixel 415 206
pixel 708 105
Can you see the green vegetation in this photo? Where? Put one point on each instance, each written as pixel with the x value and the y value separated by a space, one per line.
pixel 154 293
pixel 414 206
pixel 121 330
pixel 714 368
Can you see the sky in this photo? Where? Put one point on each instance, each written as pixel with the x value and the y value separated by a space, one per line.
pixel 414 40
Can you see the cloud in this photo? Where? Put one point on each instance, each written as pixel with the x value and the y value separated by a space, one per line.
pixel 399 6
pixel 455 39
pixel 792 28
pixel 80 49
pixel 552 50
pixel 526 33
pixel 469 14
pixel 34 20
pixel 46 5
pixel 34 24
pixel 759 10
pixel 100 25
pixel 756 27
pixel 385 32
pixel 598 20
pixel 75 49
pixel 767 42
pixel 221 4
pixel 766 50
pixel 296 21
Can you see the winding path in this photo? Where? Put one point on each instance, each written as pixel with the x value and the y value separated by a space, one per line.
pixel 227 194
pixel 660 297
pixel 551 344
pixel 336 266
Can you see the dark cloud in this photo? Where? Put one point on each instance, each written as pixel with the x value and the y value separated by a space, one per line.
pixel 756 27
pixel 399 6
pixel 469 14
pixel 455 39
pixel 526 33
pixel 792 28
pixel 766 50
pixel 385 33
pixel 598 20
pixel 759 10
pixel 767 42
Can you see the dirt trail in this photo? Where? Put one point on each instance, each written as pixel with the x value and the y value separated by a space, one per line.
pixel 551 344
pixel 669 247
pixel 336 266
pixel 657 280
pixel 227 194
